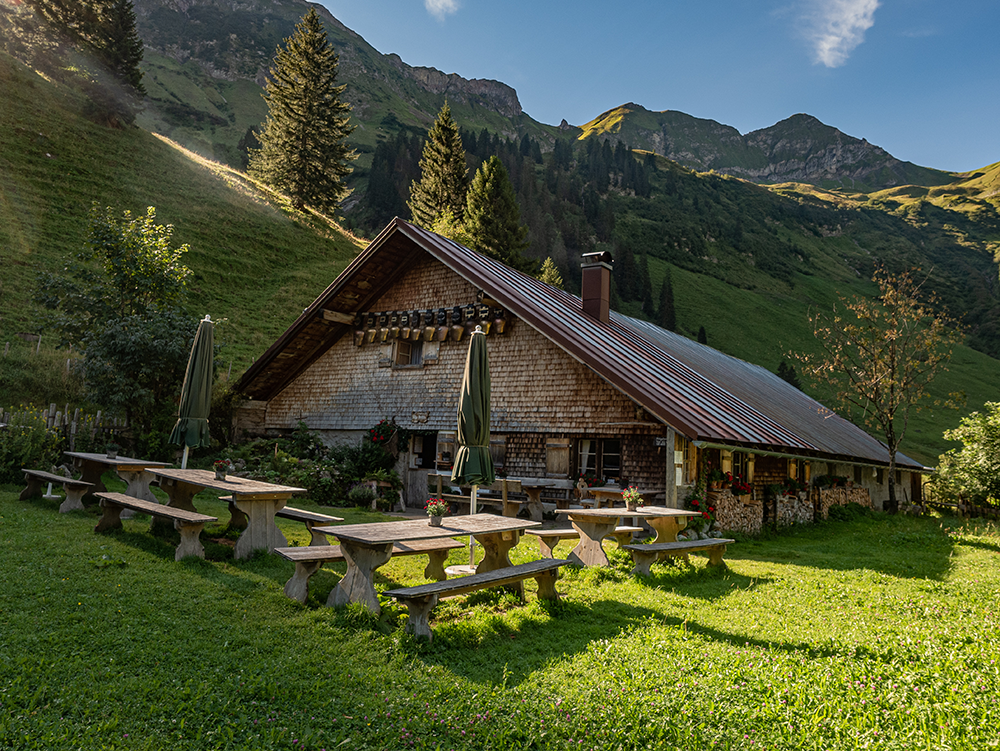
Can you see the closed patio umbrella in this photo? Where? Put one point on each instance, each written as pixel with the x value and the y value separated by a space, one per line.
pixel 191 428
pixel 473 463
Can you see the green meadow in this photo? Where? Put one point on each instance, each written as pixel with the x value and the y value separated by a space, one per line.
pixel 868 632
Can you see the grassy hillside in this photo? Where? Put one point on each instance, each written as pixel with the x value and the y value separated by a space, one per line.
pixel 256 263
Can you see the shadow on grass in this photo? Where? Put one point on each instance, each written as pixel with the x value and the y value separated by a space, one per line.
pixel 484 648
pixel 901 546
pixel 708 583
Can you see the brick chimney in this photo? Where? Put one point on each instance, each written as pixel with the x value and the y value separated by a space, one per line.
pixel 596 285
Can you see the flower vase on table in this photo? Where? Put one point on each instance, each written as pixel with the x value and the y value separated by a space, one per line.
pixel 112 449
pixel 221 469
pixel 436 509
pixel 633 500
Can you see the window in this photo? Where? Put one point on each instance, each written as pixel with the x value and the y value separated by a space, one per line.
pixel 741 466
pixel 600 457
pixel 407 353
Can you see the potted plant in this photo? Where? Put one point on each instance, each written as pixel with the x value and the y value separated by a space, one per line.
pixel 632 497
pixel 436 509
pixel 221 467
pixel 715 478
pixel 112 449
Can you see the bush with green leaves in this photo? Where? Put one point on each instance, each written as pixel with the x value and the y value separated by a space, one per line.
pixel 971 473
pixel 27 442
pixel 119 302
pixel 361 495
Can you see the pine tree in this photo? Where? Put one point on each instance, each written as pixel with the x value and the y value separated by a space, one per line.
pixel 444 182
pixel 668 316
pixel 787 373
pixel 121 46
pixel 304 149
pixel 646 287
pixel 702 336
pixel 550 274
pixel 493 218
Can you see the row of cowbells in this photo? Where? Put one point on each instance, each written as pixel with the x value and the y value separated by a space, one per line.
pixel 412 319
pixel 428 333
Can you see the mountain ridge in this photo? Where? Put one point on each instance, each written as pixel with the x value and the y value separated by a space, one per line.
pixel 235 41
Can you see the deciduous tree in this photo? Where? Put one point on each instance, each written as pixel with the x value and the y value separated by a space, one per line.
pixel 970 474
pixel 881 354
pixel 304 150
pixel 119 303
pixel 443 184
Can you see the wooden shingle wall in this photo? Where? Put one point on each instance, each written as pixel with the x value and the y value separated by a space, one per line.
pixel 536 387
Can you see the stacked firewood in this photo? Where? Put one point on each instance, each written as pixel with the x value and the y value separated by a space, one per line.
pixel 828 497
pixel 736 513
pixel 795 509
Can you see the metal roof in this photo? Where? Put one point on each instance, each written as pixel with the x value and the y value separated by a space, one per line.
pixel 700 392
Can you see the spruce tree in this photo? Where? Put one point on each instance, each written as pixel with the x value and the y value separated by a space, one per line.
pixel 304 149
pixel 702 335
pixel 444 177
pixel 668 316
pixel 121 46
pixel 550 274
pixel 493 218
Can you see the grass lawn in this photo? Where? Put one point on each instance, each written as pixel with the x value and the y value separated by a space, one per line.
pixel 877 633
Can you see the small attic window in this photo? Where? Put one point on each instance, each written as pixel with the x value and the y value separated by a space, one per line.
pixel 407 354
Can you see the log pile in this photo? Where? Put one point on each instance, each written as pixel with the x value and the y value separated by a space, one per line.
pixel 736 513
pixel 828 497
pixel 795 509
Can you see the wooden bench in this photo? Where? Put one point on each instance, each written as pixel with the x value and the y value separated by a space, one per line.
pixel 310 559
pixel 311 519
pixel 549 538
pixel 189 523
pixel 420 600
pixel 75 489
pixel 485 496
pixel 643 556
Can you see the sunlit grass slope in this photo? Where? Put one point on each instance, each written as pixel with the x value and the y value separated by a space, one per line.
pixel 256 262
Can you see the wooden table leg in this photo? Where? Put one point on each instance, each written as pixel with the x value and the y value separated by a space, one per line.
pixel 589 551
pixel 261 532
pixel 496 547
pixel 91 472
pixel 666 527
pixel 138 484
pixel 358 584
pixel 535 510
pixel 179 495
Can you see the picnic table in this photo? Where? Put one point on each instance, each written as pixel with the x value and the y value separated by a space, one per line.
pixel 135 473
pixel 596 524
pixel 253 504
pixel 533 487
pixel 368 546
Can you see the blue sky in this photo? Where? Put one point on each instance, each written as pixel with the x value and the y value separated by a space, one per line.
pixel 920 78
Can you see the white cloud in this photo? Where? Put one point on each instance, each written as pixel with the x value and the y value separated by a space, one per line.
pixel 441 8
pixel 837 27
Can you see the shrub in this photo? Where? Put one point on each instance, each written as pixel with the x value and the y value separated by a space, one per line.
pixel 27 442
pixel 361 495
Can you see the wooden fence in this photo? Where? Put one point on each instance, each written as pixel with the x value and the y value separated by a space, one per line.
pixel 94 426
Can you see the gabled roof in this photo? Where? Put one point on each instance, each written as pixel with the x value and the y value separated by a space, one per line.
pixel 700 392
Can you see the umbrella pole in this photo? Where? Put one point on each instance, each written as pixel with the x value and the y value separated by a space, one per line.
pixel 184 458
pixel 472 540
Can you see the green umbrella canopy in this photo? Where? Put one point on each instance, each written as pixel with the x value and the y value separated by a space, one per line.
pixel 191 428
pixel 473 463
